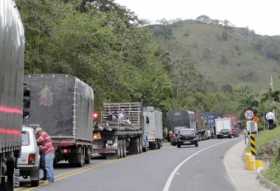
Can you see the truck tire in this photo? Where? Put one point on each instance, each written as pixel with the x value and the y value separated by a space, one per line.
pixel 133 147
pixel 124 148
pixel 80 158
pixel 9 185
pixel 3 185
pixel 196 144
pixel 119 150
pixel 87 156
pixel 140 145
pixel 178 145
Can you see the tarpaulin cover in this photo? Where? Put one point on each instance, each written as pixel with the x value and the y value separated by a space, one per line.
pixel 11 74
pixel 62 105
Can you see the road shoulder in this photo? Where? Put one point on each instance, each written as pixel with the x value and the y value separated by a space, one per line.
pixel 240 178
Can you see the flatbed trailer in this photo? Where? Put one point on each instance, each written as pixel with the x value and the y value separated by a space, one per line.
pixel 116 137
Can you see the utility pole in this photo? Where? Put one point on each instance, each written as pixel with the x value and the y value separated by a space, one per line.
pixel 271 83
pixel 273 102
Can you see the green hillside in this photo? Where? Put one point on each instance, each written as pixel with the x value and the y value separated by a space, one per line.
pixel 223 54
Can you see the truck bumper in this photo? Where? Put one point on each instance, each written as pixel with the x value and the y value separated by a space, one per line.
pixel 187 141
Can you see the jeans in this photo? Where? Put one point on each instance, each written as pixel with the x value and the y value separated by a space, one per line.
pixel 43 166
pixel 49 157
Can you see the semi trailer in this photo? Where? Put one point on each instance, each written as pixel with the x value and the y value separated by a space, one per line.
pixel 120 130
pixel 12 43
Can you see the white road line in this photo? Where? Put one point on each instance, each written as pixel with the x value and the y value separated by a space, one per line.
pixel 177 168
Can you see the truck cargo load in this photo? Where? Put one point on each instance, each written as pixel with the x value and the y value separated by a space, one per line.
pixel 202 129
pixel 153 130
pixel 62 105
pixel 12 43
pixel 120 130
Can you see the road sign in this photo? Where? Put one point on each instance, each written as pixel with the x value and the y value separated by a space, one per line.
pixel 249 114
pixel 251 126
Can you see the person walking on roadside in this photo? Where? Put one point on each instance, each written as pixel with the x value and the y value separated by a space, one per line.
pixel 46 147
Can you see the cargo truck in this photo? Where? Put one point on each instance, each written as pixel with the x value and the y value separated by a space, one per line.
pixel 223 127
pixel 202 129
pixel 120 130
pixel 63 105
pixel 210 122
pixel 153 130
pixel 177 120
pixel 11 90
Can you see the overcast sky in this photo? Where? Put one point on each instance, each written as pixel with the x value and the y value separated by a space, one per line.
pixel 262 16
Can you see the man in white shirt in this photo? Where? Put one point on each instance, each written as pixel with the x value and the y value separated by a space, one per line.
pixel 270 117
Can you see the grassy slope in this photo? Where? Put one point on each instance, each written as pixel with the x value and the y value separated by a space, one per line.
pixel 234 61
pixel 266 137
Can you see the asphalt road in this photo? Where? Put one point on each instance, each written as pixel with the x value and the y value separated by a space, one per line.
pixel 167 169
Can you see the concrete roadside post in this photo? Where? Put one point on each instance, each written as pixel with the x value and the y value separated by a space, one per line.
pixel 253 147
pixel 250 160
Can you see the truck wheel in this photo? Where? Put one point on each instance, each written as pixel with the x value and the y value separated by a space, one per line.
pixel 178 145
pixel 140 145
pixel 133 147
pixel 119 151
pixel 7 186
pixel 196 144
pixel 87 157
pixel 3 185
pixel 80 158
pixel 124 148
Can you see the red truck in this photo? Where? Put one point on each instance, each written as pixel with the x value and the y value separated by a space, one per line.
pixel 11 90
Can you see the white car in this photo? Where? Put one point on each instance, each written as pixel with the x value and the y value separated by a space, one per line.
pixel 29 161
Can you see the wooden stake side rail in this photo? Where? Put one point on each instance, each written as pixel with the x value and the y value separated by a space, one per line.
pixel 133 111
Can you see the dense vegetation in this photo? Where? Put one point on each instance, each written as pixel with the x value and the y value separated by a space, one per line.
pixel 100 42
pixel 107 46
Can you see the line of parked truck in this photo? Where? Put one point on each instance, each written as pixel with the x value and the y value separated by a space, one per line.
pixel 187 127
pixel 63 106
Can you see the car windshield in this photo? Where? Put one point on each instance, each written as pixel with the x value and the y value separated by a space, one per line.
pixel 25 138
pixel 186 131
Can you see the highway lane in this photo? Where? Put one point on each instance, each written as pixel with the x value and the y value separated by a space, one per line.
pixel 151 171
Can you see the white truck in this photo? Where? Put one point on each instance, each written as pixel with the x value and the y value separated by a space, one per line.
pixel 153 130
pixel 223 127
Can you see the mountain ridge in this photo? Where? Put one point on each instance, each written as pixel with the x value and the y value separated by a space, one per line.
pixel 221 52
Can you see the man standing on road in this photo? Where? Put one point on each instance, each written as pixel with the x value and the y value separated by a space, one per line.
pixel 46 147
